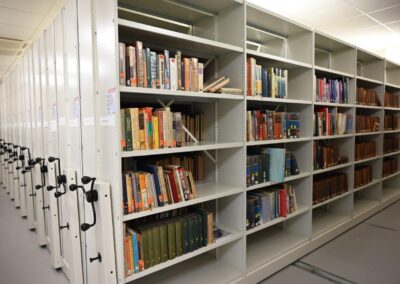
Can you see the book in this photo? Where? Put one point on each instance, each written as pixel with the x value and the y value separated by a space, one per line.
pixel 230 91
pixel 391 100
pixel 328 186
pixel 391 144
pixel 266 125
pixel 131 80
pixel 367 97
pixel 122 64
pixel 212 83
pixel 332 90
pixel 391 122
pixel 389 166
pixel 366 123
pixel 365 149
pixel 362 175
pixel 139 64
pixel 326 156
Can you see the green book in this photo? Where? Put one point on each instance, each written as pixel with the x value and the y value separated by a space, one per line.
pixel 128 130
pixel 185 235
pixel 190 232
pixel 178 236
pixel 156 243
pixel 164 241
pixel 196 231
pixel 146 247
pixel 204 228
pixel 151 247
pixel 171 240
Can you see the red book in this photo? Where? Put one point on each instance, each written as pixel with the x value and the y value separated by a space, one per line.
pixel 174 189
pixel 282 201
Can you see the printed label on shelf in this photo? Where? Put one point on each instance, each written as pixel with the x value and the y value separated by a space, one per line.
pixel 45 124
pixel 33 124
pixel 53 125
pixel 75 107
pixel 108 120
pixel 88 121
pixel 61 121
pixel 74 123
pixel 111 101
pixel 38 124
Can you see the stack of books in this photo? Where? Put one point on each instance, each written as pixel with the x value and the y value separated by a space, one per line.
pixel 153 241
pixel 391 144
pixel 362 175
pixel 155 186
pixel 327 187
pixel 365 149
pixel 391 100
pixel 270 82
pixel 366 123
pixel 270 164
pixel 148 128
pixel 328 121
pixel 266 205
pixel 391 122
pixel 327 156
pixel 141 67
pixel 389 166
pixel 332 90
pixel 367 97
pixel 267 125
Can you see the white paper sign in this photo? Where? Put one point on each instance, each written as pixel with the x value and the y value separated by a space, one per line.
pixel 108 120
pixel 88 121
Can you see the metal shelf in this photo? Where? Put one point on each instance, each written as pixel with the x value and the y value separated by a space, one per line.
pixel 136 92
pixel 287 179
pixel 205 192
pixel 341 166
pixel 332 71
pixel 333 199
pixel 278 141
pixel 332 136
pixel 190 147
pixel 302 209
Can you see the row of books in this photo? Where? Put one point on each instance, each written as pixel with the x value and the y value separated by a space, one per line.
pixel 151 242
pixel 366 123
pixel 367 97
pixel 391 144
pixel 141 67
pixel 270 164
pixel 365 149
pixel 266 205
pixel 327 156
pixel 391 122
pixel 362 175
pixel 391 100
pixel 328 121
pixel 268 125
pixel 192 162
pixel 389 166
pixel 332 90
pixel 148 128
pixel 155 186
pixel 327 187
pixel 271 82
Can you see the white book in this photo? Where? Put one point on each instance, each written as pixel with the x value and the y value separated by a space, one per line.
pixel 201 76
pixel 173 73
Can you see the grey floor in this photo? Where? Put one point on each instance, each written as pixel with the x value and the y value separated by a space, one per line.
pixel 368 253
pixel 22 261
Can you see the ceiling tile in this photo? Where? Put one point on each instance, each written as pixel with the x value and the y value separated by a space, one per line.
pixel 330 15
pixel 395 26
pixel 15 32
pixel 369 6
pixel 388 15
pixel 13 17
pixel 40 7
pixel 350 25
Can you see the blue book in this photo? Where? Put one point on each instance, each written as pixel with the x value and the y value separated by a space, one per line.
pixel 277 164
pixel 264 82
pixel 153 169
pixel 135 252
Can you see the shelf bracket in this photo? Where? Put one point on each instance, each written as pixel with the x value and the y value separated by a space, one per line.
pixel 188 132
pixel 208 62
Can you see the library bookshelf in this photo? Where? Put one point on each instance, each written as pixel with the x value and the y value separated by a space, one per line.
pixel 224 34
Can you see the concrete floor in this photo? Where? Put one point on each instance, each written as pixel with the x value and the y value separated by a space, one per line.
pixel 22 260
pixel 368 253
